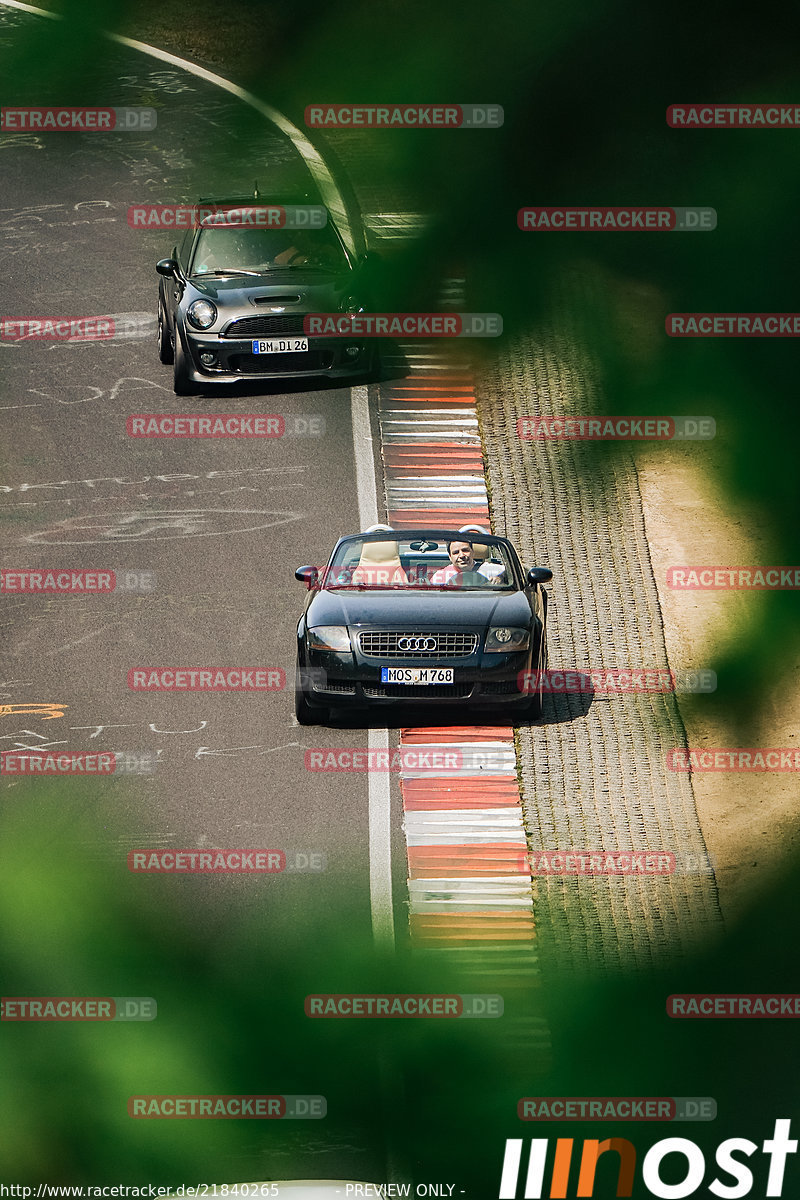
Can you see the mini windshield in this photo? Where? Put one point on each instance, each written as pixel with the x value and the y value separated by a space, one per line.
pixel 234 248
pixel 422 564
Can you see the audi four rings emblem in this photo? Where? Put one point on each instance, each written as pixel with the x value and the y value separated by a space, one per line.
pixel 416 643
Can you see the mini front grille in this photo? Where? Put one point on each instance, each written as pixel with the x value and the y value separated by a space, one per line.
pixel 401 643
pixel 436 691
pixel 506 687
pixel 265 364
pixel 264 326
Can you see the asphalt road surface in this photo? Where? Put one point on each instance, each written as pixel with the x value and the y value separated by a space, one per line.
pixel 218 527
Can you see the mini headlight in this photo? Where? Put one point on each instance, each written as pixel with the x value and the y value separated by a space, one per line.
pixel 202 314
pixel 329 637
pixel 504 638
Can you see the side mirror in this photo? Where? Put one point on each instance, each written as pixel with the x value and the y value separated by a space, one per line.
pixel 538 575
pixel 307 575
pixel 167 267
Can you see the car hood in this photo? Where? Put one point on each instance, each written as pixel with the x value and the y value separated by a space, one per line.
pixel 313 287
pixel 417 609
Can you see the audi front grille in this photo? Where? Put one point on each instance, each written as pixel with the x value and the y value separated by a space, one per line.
pixel 398 643
pixel 440 691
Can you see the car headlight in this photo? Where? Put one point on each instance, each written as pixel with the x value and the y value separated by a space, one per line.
pixel 202 314
pixel 505 638
pixel 329 637
pixel 351 304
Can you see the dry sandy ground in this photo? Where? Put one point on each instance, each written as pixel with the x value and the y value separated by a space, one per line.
pixel 749 819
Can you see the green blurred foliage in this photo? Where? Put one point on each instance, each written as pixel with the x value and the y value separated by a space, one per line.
pixel 439 1097
pixel 585 91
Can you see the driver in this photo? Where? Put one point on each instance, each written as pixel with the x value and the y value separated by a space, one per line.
pixel 462 559
pixel 292 256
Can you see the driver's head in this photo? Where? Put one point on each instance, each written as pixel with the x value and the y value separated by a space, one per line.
pixel 461 555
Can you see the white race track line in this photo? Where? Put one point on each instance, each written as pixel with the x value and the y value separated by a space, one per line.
pixel 317 166
pixel 380 844
pixel 380 866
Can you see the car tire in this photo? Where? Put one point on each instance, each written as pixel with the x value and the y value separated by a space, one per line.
pixel 374 369
pixel 537 700
pixel 181 383
pixel 165 352
pixel 535 703
pixel 305 713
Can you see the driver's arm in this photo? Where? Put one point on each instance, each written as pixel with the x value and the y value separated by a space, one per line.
pixel 285 257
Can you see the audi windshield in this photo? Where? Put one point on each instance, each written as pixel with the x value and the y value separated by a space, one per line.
pixel 472 562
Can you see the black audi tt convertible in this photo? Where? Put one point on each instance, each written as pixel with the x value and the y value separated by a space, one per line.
pixel 421 615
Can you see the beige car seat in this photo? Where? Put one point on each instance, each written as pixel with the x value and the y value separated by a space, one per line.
pixel 379 564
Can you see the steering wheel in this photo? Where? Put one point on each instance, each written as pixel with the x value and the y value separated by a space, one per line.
pixel 467 577
pixel 297 254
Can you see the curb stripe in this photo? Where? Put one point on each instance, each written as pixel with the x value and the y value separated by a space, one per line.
pixel 469 881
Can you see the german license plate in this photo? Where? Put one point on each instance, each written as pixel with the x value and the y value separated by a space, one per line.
pixel 295 345
pixel 416 674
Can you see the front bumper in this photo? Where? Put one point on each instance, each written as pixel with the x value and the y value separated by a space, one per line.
pixel 234 359
pixel 350 680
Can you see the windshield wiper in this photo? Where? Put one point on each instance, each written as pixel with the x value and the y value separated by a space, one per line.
pixel 306 267
pixel 231 271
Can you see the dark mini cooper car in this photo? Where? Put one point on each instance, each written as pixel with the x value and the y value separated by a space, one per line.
pixel 424 615
pixel 232 298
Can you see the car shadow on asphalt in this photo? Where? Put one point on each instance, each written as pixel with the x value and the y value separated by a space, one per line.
pixel 558 708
